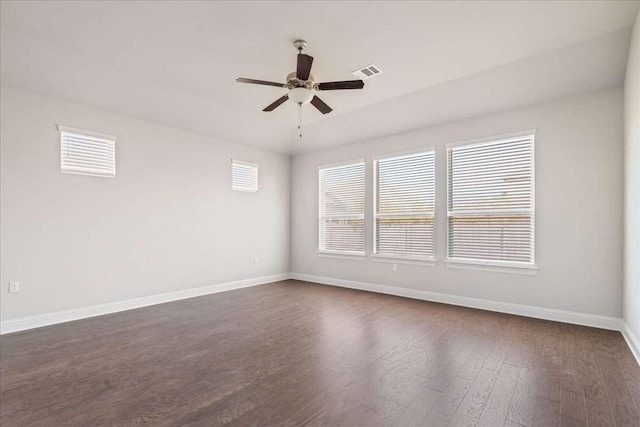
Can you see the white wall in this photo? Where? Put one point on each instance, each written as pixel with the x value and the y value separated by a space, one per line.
pixel 579 160
pixel 632 185
pixel 167 222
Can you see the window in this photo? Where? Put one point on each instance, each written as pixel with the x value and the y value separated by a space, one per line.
pixel 404 206
pixel 87 153
pixel 491 202
pixel 244 176
pixel 341 227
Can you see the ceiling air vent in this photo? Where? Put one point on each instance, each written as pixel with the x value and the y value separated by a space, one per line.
pixel 367 72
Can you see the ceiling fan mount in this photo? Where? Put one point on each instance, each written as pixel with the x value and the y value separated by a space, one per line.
pixel 300 44
pixel 301 84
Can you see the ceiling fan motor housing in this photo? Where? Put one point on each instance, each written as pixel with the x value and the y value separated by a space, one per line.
pixel 293 81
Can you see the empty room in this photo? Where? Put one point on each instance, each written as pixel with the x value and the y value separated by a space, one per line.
pixel 320 213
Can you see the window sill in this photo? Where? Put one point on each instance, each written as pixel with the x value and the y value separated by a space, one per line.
pixel 430 262
pixel 526 269
pixel 343 255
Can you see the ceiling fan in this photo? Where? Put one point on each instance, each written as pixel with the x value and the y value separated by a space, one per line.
pixel 302 86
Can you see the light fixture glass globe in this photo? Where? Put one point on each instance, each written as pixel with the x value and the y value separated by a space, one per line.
pixel 300 95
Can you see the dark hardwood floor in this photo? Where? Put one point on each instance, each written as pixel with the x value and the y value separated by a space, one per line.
pixel 294 353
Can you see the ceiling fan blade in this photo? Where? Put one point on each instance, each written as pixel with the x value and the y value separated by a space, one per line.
pixel 320 105
pixel 348 84
pixel 304 66
pixel 276 103
pixel 260 82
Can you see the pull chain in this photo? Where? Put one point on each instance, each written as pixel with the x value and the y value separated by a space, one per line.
pixel 300 120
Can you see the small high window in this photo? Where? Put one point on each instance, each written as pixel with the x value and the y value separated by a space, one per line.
pixel 244 176
pixel 87 153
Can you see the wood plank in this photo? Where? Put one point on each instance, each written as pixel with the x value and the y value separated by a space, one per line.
pixel 444 410
pixel 624 410
pixel 573 406
pixel 599 412
pixel 546 413
pixel 440 373
pixel 496 357
pixel 497 407
pixel 524 398
pixel 631 373
pixel 471 408
pixel 571 422
pixel 478 357
pixel 419 408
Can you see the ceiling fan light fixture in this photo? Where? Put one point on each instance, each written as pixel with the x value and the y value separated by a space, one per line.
pixel 300 95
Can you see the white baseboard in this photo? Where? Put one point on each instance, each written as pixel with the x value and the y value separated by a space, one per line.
pixel 30 322
pixel 632 340
pixel 603 322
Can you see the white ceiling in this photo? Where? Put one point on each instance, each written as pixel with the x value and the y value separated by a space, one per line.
pixel 175 63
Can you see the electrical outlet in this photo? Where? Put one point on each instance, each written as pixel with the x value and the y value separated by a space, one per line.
pixel 14 287
pixel 394 267
pixel 256 259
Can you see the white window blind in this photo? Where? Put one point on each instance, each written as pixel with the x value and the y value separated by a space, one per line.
pixel 405 206
pixel 244 176
pixel 341 227
pixel 491 201
pixel 87 153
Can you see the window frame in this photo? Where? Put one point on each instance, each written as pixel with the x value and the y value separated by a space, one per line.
pixel 429 260
pixel 334 253
pixel 103 137
pixel 246 164
pixel 528 268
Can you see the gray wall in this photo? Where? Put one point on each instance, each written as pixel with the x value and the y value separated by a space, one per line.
pixel 168 221
pixel 632 185
pixel 579 199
